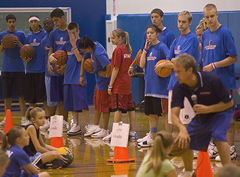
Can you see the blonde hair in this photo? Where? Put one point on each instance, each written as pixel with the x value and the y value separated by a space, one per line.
pixel 162 142
pixel 187 14
pixel 125 38
pixel 202 25
pixel 32 112
pixel 209 7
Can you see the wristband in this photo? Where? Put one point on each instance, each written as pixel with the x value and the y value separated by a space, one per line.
pixel 130 67
pixel 213 66
pixel 146 50
pixel 75 49
pixel 110 87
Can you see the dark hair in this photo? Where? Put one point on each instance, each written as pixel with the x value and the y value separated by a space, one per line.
pixel 4 158
pixel 32 112
pixel 155 28
pixel 86 42
pixel 187 61
pixel 12 135
pixel 10 16
pixel 73 25
pixel 157 11
pixel 57 13
pixel 40 27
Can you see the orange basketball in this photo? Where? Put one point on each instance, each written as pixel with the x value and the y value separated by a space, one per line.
pixel 61 57
pixel 27 51
pixel 165 72
pixel 138 57
pixel 8 41
pixel 88 65
pixel 57 67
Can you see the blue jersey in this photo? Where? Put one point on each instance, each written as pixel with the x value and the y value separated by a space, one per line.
pixel 56 40
pixel 37 64
pixel 166 36
pixel 18 159
pixel 183 44
pixel 73 67
pixel 12 61
pixel 155 86
pixel 45 50
pixel 99 61
pixel 216 46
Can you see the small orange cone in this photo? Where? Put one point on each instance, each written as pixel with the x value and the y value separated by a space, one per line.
pixel 121 155
pixel 121 169
pixel 8 121
pixel 57 142
pixel 203 165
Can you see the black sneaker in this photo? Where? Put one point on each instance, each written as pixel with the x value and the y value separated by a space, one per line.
pixel 55 164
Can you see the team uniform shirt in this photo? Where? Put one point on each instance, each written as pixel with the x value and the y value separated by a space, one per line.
pixel 56 40
pixel 30 149
pixel 45 50
pixel 12 61
pixel 122 59
pixel 216 46
pixel 37 63
pixel 18 159
pixel 73 67
pixel 183 44
pixel 210 90
pixel 99 61
pixel 165 36
pixel 155 86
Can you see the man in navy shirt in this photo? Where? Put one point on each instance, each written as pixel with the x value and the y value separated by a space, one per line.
pixel 212 104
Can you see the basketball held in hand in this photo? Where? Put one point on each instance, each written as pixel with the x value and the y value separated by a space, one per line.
pixel 8 41
pixel 27 51
pixel 165 72
pixel 57 67
pixel 61 57
pixel 88 65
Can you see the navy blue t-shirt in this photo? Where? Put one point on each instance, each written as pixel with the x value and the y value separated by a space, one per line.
pixel 30 149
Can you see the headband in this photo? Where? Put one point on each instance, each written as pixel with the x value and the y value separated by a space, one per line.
pixel 34 18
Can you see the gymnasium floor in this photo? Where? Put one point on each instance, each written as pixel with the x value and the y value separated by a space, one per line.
pixel 90 154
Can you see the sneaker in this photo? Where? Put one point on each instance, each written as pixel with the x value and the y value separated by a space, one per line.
pixel 46 125
pixel 65 126
pixel 195 154
pixel 147 143
pixel 233 154
pixel 75 130
pixel 56 164
pixel 25 122
pixel 108 137
pixel 144 138
pixel 212 150
pixel 132 135
pixel 92 129
pixel 184 173
pixel 100 134
pixel 2 124
pixel 87 127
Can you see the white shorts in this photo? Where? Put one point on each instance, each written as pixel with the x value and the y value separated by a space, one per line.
pixel 186 114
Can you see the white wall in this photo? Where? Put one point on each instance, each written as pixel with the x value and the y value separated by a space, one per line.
pixel 145 6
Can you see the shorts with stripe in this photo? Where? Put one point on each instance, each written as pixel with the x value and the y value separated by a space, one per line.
pixel 101 100
pixel 123 103
pixel 155 105
pixel 37 160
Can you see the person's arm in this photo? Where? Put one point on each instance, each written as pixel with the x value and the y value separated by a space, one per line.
pixel 130 69
pixel 166 64
pixel 113 78
pixel 18 42
pixel 143 56
pixel 1 48
pixel 105 73
pixel 81 79
pixel 172 173
pixel 30 169
pixel 49 66
pixel 48 147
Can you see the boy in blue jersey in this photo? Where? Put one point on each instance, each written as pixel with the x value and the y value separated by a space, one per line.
pixel 218 55
pixel 75 88
pixel 213 105
pixel 57 38
pixel 165 36
pixel 13 72
pixel 52 106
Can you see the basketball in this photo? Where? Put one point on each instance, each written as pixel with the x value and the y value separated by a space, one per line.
pixel 27 51
pixel 61 57
pixel 8 41
pixel 138 57
pixel 68 155
pixel 88 65
pixel 165 72
pixel 57 67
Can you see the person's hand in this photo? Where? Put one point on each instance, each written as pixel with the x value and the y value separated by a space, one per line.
pixel 26 59
pixel 102 73
pixel 158 68
pixel 208 68
pixel 110 91
pixel 183 139
pixel 130 71
pixel 52 59
pixel 81 80
pixel 201 109
pixel 61 70
pixel 147 44
pixel 239 91
pixel 61 156
pixel 73 40
pixel 16 41
pixel 50 69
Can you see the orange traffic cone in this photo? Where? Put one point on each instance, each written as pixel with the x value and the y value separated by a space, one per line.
pixel 203 165
pixel 8 121
pixel 121 155
pixel 57 142
pixel 121 168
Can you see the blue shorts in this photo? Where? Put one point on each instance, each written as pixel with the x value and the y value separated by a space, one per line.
pixel 202 132
pixel 37 160
pixel 47 85
pixel 56 88
pixel 75 97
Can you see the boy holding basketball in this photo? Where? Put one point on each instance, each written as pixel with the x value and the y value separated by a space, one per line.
pixel 13 72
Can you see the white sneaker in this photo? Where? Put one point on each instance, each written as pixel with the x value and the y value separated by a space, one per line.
pixel 185 173
pixel 108 137
pixel 75 130
pixel 144 138
pixel 65 126
pixel 46 126
pixel 25 122
pixel 2 124
pixel 92 129
pixel 100 134
pixel 87 127
pixel 147 143
pixel 212 150
pixel 132 135
pixel 233 154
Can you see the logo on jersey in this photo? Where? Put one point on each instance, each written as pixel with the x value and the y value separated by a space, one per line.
pixel 35 43
pixel 46 48
pixel 127 56
pixel 61 42
pixel 210 46
pixel 150 57
pixel 177 51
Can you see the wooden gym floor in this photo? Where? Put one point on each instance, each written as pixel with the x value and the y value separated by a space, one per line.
pixel 90 154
